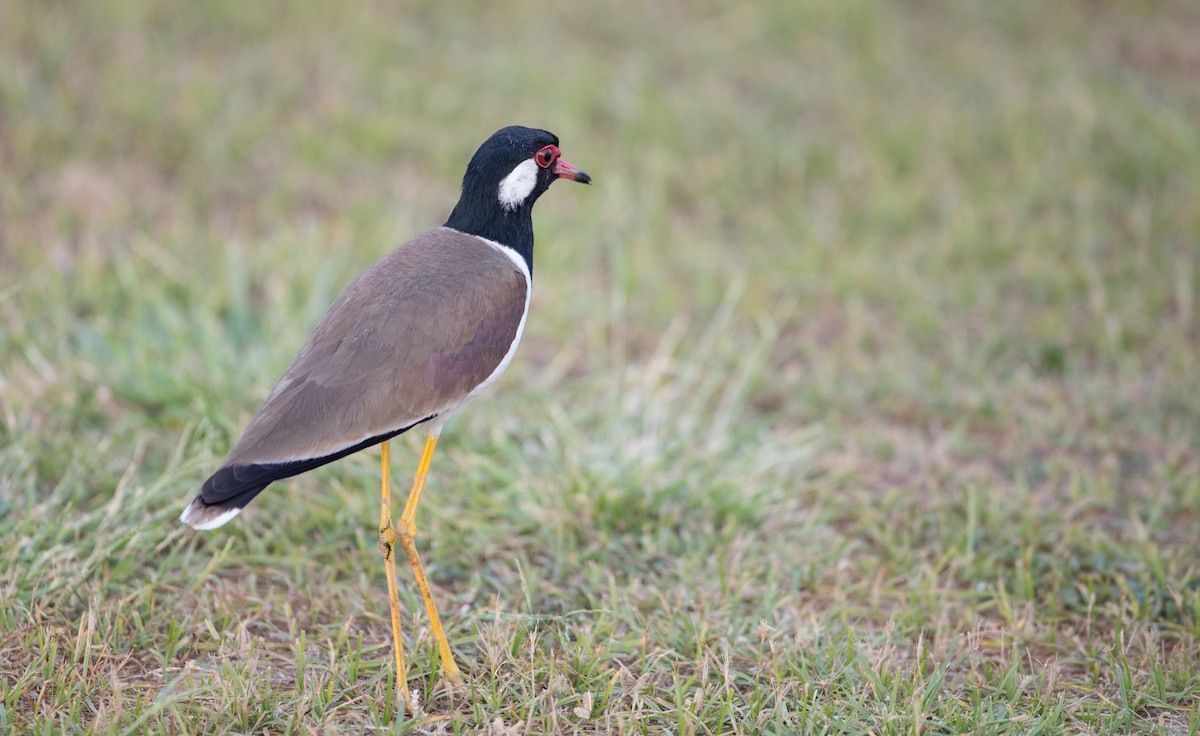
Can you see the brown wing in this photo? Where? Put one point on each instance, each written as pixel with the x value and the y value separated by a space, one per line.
pixel 413 335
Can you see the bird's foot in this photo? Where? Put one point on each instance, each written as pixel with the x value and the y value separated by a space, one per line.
pixel 451 672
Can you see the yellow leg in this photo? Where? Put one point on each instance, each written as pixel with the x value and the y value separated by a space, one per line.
pixel 409 515
pixel 387 540
pixel 407 531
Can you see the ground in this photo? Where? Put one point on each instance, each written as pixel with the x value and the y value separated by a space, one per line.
pixel 859 394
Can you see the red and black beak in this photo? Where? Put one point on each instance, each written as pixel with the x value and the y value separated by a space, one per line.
pixel 564 170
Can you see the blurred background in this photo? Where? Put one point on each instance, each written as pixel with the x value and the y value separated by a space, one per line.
pixel 865 374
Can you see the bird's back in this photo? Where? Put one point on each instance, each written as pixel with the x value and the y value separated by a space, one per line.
pixel 408 340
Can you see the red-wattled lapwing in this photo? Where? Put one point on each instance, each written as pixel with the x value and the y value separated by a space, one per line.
pixel 408 343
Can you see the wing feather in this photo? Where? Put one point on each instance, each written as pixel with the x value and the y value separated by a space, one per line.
pixel 413 335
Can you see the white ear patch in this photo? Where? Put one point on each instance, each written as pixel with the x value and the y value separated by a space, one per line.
pixel 516 187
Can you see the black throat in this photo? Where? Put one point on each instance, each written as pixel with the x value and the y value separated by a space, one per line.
pixel 480 213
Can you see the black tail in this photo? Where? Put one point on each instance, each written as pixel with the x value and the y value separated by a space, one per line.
pixel 229 489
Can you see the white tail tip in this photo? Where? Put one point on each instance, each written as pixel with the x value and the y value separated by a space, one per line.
pixel 203 517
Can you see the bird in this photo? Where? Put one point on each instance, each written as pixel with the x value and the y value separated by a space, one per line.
pixel 408 343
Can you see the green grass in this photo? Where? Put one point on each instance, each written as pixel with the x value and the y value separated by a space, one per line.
pixel 859 394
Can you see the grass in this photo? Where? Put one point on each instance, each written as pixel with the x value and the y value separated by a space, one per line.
pixel 858 394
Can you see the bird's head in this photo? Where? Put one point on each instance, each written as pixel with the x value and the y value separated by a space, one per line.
pixel 507 175
pixel 517 165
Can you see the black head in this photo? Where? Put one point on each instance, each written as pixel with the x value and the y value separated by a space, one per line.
pixel 505 177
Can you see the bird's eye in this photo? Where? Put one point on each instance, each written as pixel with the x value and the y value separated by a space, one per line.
pixel 546 156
